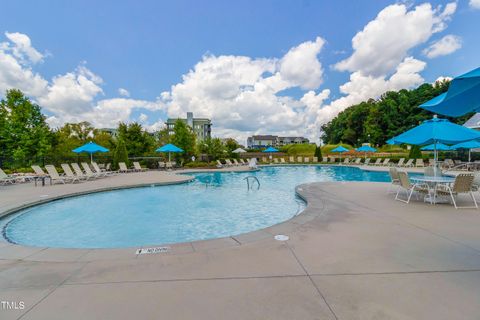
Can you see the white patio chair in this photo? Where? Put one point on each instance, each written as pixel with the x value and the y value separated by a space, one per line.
pixel 462 185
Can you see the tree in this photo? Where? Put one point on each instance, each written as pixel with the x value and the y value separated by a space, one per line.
pixel 24 134
pixel 138 142
pixel 415 153
pixel 184 137
pixel 318 153
pixel 120 154
pixel 213 148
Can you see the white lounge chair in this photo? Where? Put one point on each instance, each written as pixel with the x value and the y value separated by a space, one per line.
pixel 97 170
pixel 169 165
pixel 401 162
pixel 394 179
pixel 138 167
pixel 79 172
pixel 291 159
pixel 386 162
pixel 6 179
pixel 282 160
pixel 419 163
pixel 228 163
pixel 161 165
pixel 367 162
pixel 54 176
pixel 69 173
pixel 219 164
pixel 324 159
pixel 409 163
pixel 315 159
pixel 123 167
pixel 306 159
pixel 275 160
pixel 377 162
pixel 235 162
pixel 38 171
pixel 299 159
pixel 89 172
pixel 463 185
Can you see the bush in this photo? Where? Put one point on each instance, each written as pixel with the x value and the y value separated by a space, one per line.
pixel 120 154
pixel 318 153
pixel 415 153
pixel 306 150
pixel 199 164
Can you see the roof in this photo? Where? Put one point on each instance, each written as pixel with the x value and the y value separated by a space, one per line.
pixel 473 122
pixel 264 137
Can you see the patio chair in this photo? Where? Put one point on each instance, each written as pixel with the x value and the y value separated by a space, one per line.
pixel 409 163
pixel 367 162
pixel 315 159
pixel 462 185
pixel 138 167
pixel 394 179
pixel 235 162
pixel 169 165
pixel 324 159
pixel 161 165
pixel 69 173
pixel 386 162
pixel 219 164
pixel 346 161
pixel 228 163
pixel 299 159
pixel 54 176
pixel 431 162
pixel 429 171
pixel 38 171
pixel 306 159
pixel 275 160
pixel 105 172
pixel 332 159
pixel 410 188
pixel 419 163
pixel 6 179
pixel 378 162
pixel 79 172
pixel 264 159
pixel 400 162
pixel 122 167
pixel 282 160
pixel 291 159
pixel 242 162
pixel 358 161
pixel 89 172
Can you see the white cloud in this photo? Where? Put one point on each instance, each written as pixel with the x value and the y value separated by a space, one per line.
pixel 22 49
pixel 475 4
pixel 445 46
pixel 385 41
pixel 123 92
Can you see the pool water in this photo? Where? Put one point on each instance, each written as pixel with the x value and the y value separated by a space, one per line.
pixel 213 205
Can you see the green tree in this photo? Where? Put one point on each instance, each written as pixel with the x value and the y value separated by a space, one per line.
pixel 138 142
pixel 415 153
pixel 318 153
pixel 184 137
pixel 213 148
pixel 120 154
pixel 24 135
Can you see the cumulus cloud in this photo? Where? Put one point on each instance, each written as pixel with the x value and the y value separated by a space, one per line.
pixel 123 92
pixel 385 41
pixel 22 49
pixel 475 4
pixel 445 46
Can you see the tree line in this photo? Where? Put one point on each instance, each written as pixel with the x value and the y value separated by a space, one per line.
pixel 376 121
pixel 26 138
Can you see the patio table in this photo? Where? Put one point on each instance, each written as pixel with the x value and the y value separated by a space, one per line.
pixel 432 182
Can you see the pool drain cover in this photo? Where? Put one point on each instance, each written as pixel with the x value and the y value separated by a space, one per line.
pixel 281 237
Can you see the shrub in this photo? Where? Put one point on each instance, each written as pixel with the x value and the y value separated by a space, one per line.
pixel 120 154
pixel 415 153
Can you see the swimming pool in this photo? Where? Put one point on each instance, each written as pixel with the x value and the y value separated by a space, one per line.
pixel 214 205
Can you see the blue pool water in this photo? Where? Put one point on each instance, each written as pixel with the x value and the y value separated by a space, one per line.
pixel 214 205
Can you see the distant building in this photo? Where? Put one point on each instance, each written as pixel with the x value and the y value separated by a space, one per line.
pixel 111 131
pixel 262 141
pixel 201 126
pixel 473 122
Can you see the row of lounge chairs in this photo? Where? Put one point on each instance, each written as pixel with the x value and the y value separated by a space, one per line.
pixel 232 163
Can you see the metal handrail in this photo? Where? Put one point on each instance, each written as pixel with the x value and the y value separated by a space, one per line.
pixel 248 182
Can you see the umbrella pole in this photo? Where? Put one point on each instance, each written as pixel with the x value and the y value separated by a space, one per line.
pixel 435 158
pixel 469 155
pixel 91 157
pixel 169 156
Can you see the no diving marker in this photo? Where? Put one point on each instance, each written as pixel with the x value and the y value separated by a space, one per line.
pixel 281 237
pixel 153 250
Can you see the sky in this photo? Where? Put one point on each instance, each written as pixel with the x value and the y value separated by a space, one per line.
pixel 253 67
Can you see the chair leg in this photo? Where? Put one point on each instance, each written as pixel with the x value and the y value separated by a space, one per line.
pixel 453 199
pixel 474 200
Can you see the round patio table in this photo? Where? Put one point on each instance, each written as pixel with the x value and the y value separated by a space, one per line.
pixel 432 182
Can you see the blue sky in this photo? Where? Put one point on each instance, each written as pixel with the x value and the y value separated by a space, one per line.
pixel 146 47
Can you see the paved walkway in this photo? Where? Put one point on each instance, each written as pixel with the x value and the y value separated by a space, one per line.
pixel 353 254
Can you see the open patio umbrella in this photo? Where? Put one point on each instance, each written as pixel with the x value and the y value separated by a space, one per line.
pixel 366 149
pixel 239 150
pixel 435 131
pixel 270 150
pixel 438 147
pixel 340 149
pixel 472 144
pixel 90 148
pixel 169 148
pixel 463 96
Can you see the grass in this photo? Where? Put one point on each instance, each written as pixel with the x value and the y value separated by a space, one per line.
pixel 306 150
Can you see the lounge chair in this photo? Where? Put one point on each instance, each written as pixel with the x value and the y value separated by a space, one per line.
pixel 346 161
pixel 6 179
pixel 358 161
pixel 431 162
pixel 79 172
pixel 332 160
pixel 400 162
pixel 409 163
pixel 395 180
pixel 89 172
pixel 315 159
pixel 122 167
pixel 38 171
pixel 264 159
pixel 291 159
pixel 410 188
pixel 242 162
pixel 377 162
pixel 299 159
pixel 324 159
pixel 97 170
pixel 161 165
pixel 306 159
pixel 219 164
pixel 169 165
pixel 367 162
pixel 275 160
pixel 419 163
pixel 235 162
pixel 54 176
pixel 138 167
pixel 282 160
pixel 386 162
pixel 463 185
pixel 228 163
pixel 69 173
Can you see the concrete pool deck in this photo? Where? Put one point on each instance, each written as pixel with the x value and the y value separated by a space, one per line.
pixel 354 253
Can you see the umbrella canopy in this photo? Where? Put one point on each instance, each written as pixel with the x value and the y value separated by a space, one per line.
pixel 366 149
pixel 438 146
pixel 436 131
pixel 169 148
pixel 472 144
pixel 239 150
pixel 90 148
pixel 463 96
pixel 340 149
pixel 270 149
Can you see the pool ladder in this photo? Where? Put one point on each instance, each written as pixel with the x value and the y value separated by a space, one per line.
pixel 250 185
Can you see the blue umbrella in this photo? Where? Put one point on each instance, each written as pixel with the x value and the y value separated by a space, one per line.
pixel 435 131
pixel 438 146
pixel 270 149
pixel 91 148
pixel 340 149
pixel 463 96
pixel 472 144
pixel 366 149
pixel 169 148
